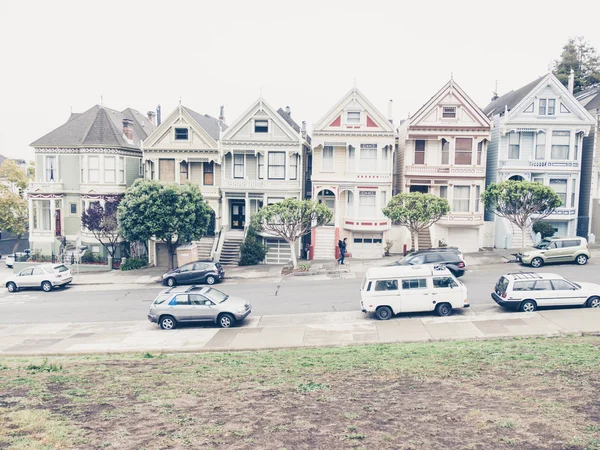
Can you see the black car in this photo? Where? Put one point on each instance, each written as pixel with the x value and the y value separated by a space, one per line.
pixel 448 256
pixel 208 272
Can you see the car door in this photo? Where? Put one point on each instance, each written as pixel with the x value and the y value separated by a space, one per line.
pixel 385 292
pixel 567 253
pixel 199 272
pixel 37 276
pixel 25 278
pixel 185 274
pixel 567 293
pixel 543 293
pixel 181 308
pixel 415 295
pixel 203 309
pixel 553 252
pixel 445 290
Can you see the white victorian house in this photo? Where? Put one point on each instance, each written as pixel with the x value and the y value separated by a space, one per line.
pixel 264 157
pixel 537 136
pixel 353 148
pixel 442 151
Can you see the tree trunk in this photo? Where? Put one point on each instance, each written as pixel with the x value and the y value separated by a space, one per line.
pixel 523 228
pixel 294 257
pixel 16 243
pixel 416 239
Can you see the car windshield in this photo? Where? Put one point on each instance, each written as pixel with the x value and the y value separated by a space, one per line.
pixel 161 298
pixel 216 295
pixel 543 244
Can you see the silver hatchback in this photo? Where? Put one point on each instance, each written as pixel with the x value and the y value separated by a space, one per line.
pixel 197 304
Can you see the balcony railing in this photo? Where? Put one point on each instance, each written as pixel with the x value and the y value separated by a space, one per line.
pixel 551 165
pixel 261 184
pixel 51 187
pixel 443 170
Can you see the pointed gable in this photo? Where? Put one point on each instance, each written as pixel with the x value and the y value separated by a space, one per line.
pixel 354 113
pixel 450 107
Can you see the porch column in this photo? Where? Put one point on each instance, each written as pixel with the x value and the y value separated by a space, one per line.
pixel 30 211
pixel 53 216
pixel 225 214
pixel 246 211
pixel 177 171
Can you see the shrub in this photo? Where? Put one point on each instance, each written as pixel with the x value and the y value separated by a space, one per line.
pixel 252 251
pixel 544 228
pixel 90 257
pixel 134 263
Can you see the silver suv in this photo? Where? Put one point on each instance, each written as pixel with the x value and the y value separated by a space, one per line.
pixel 197 304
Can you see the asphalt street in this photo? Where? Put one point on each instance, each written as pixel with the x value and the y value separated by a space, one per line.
pixel 296 295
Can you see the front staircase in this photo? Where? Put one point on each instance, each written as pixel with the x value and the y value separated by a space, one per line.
pixel 516 238
pixel 204 248
pixel 424 239
pixel 324 243
pixel 230 254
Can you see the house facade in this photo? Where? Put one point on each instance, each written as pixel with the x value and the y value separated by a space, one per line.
pixel 537 136
pixel 264 156
pixel 442 151
pixel 93 155
pixel 185 148
pixel 353 147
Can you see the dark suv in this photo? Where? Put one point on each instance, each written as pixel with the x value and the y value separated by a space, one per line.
pixel 208 272
pixel 451 257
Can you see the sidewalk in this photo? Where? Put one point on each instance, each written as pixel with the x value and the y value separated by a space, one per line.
pixel 288 331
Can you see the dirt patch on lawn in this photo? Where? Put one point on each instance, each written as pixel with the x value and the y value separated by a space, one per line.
pixel 534 394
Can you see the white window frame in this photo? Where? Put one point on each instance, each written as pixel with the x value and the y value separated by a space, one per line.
pixel 518 136
pixel 565 133
pixel 141 168
pixel 233 164
pixel 187 134
pixel 268 126
pixel 106 178
pixel 545 109
pixel 351 158
pixel 121 169
pixel 466 198
pixel 367 209
pixel 332 159
pixel 540 146
pixel 48 171
pixel 352 118
pixel 368 158
pixel 294 163
pixel 95 170
pixel 260 166
pixel 566 184
pixel 71 209
pixel 271 165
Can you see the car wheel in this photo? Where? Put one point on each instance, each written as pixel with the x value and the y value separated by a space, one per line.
pixel 593 302
pixel 46 286
pixel 226 321
pixel 581 260
pixel 210 279
pixel 443 309
pixel 384 313
pixel 167 323
pixel 171 282
pixel 12 287
pixel 537 262
pixel 528 306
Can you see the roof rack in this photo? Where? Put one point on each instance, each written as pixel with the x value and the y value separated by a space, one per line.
pixel 525 275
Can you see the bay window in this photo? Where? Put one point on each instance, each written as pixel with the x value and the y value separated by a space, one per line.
pixel 514 148
pixel 208 175
pixel 461 199
pixel 445 152
pixel 366 203
pixel 109 169
pixel 540 146
pixel 419 152
pixel 327 158
pixel 238 166
pixel 51 169
pixel 294 167
pixel 121 169
pixel 261 166
pixel 93 169
pixel 276 166
pixel 560 187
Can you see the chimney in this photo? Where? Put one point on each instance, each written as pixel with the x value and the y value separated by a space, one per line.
pixel 288 111
pixel 158 117
pixel 152 117
pixel 222 114
pixel 571 81
pixel 391 111
pixel 303 129
pixel 128 129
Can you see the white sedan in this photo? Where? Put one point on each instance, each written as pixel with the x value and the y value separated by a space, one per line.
pixel 45 276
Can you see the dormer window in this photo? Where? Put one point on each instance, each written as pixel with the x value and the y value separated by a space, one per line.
pixel 181 134
pixel 353 117
pixel 261 126
pixel 449 112
pixel 547 107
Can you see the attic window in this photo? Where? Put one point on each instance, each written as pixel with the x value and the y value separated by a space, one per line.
pixel 547 107
pixel 449 112
pixel 261 126
pixel 353 117
pixel 181 134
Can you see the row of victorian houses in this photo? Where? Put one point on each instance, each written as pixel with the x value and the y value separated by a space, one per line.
pixel 354 162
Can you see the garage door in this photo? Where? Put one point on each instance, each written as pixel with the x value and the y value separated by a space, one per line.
pixel 367 245
pixel 466 239
pixel 162 256
pixel 278 251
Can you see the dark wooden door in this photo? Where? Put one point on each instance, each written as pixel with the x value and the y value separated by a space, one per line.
pixel 58 229
pixel 238 215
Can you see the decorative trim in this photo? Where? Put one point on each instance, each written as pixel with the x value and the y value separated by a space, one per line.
pixel 34 196
pixel 101 150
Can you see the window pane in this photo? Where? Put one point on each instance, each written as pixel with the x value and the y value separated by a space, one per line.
pixel 444 283
pixel 444 192
pixel 238 166
pixel 386 285
pixel 419 152
pixel 353 116
pixel 261 126
pixel 445 152
pixel 461 198
pixel 560 187
pixel 420 283
pixel 328 158
pixel 368 157
pixel 449 112
pixel 551 106
pixel 542 106
pixel 276 169
pixel 540 148
pixel 366 203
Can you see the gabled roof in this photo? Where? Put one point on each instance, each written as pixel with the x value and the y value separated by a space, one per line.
pixel 209 123
pixel 98 126
pixel 590 98
pixel 288 118
pixel 512 98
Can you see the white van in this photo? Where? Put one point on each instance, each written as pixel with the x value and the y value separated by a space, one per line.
pixel 390 290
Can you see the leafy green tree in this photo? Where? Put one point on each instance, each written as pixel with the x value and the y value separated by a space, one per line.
pixel 582 57
pixel 416 211
pixel 544 228
pixel 13 174
pixel 14 215
pixel 101 221
pixel 291 219
pixel 522 203
pixel 169 213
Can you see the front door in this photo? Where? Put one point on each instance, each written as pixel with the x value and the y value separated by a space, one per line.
pixel 238 215
pixel 58 230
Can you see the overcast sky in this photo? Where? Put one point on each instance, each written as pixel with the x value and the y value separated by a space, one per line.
pixel 59 56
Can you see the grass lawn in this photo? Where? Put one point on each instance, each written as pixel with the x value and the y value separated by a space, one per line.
pixel 540 393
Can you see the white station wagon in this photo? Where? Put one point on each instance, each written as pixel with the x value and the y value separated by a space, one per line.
pixel 45 276
pixel 525 291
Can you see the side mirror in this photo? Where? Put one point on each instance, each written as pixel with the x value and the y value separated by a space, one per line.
pixel 177 271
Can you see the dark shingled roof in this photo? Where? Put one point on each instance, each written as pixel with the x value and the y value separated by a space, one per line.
pixel 511 99
pixel 98 126
pixel 291 122
pixel 209 123
pixel 590 98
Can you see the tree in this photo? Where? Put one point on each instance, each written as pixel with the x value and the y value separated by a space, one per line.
pixel 522 203
pixel 416 211
pixel 101 221
pixel 544 228
pixel 291 219
pixel 14 175
pixel 14 215
pixel 169 213
pixel 252 250
pixel 580 56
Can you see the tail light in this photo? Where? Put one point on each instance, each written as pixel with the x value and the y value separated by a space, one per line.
pixel 503 295
pixel 461 265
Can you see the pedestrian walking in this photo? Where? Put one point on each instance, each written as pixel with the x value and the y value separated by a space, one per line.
pixel 342 246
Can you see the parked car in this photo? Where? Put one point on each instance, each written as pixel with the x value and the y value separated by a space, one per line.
pixel 13 257
pixel 526 291
pixel 197 304
pixel 208 272
pixel 10 260
pixel 45 276
pixel 555 250
pixel 387 291
pixel 451 257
